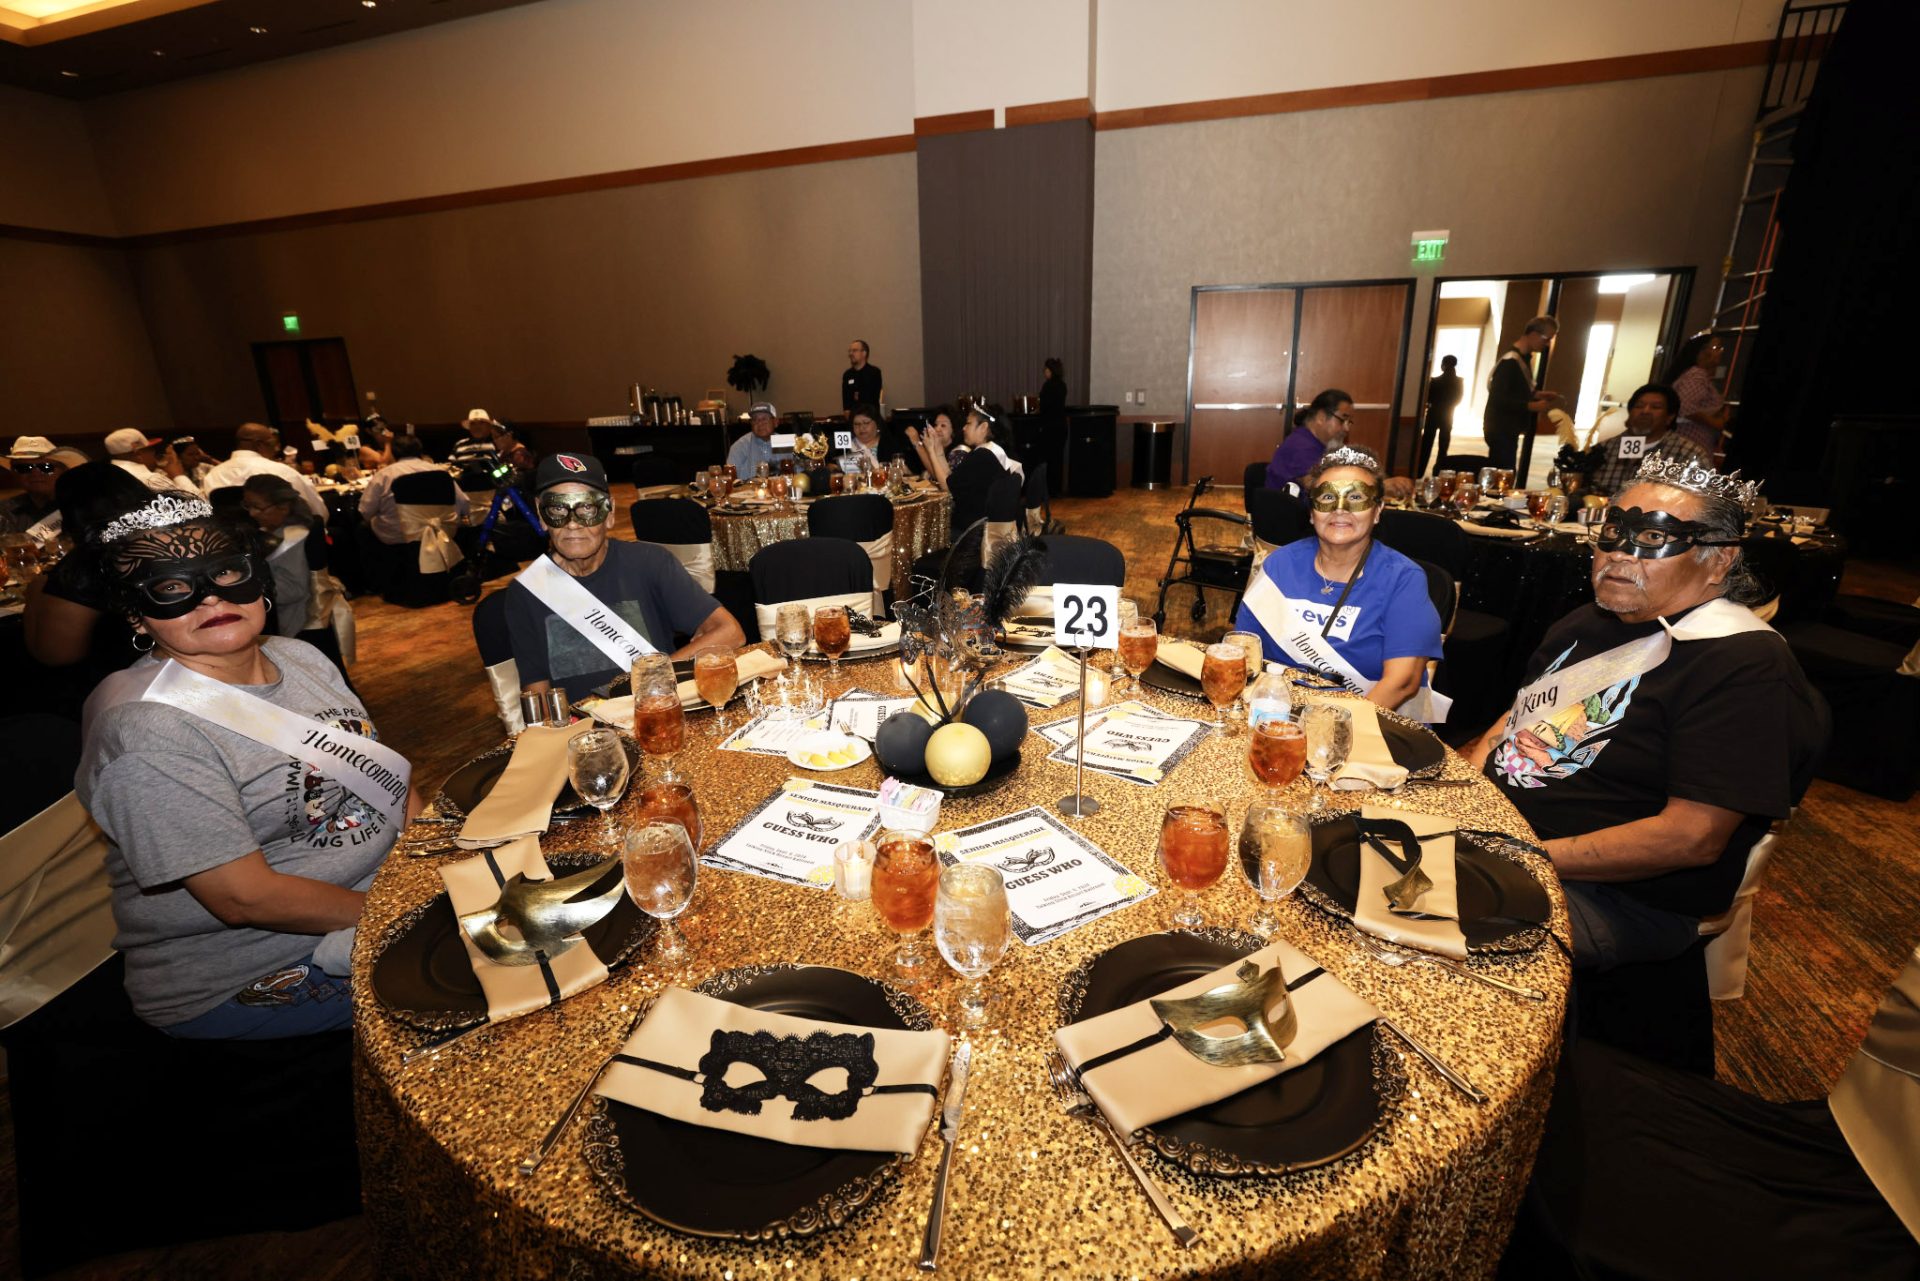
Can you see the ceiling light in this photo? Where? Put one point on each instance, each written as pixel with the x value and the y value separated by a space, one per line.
pixel 369 4
pixel 258 31
pixel 159 53
pixel 1620 284
pixel 71 75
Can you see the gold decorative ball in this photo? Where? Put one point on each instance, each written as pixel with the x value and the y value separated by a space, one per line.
pixel 958 755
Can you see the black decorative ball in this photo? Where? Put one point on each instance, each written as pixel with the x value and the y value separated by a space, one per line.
pixel 901 743
pixel 1001 717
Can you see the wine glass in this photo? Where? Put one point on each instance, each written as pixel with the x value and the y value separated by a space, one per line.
pixel 1139 643
pixel 831 634
pixel 1329 730
pixel 906 878
pixel 1193 850
pixel 793 627
pixel 1276 849
pixel 661 873
pixel 659 722
pixel 672 802
pixel 1129 615
pixel 971 929
pixel 1223 678
pixel 597 767
pixel 716 674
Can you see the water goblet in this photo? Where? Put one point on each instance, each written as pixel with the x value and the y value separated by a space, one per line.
pixel 661 873
pixel 659 722
pixel 1193 851
pixel 597 768
pixel 716 675
pixel 793 628
pixel 972 930
pixel 906 879
pixel 1255 649
pixel 1276 849
pixel 1329 731
pixel 1276 752
pixel 673 802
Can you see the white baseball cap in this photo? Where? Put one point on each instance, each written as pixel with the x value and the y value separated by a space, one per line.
pixel 763 407
pixel 30 447
pixel 129 440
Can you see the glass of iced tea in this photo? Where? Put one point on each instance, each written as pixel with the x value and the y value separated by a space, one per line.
pixel 1254 648
pixel 1537 503
pixel 673 803
pixel 1223 678
pixel 906 880
pixel 880 477
pixel 716 675
pixel 722 486
pixel 1276 849
pixel 1139 642
pixel 659 722
pixel 1193 850
pixel 1276 752
pixel 661 872
pixel 1446 483
pixel 836 482
pixel 733 473
pixel 1503 481
pixel 831 635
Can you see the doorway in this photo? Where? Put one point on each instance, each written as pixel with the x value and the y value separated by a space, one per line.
pixel 1258 352
pixel 306 379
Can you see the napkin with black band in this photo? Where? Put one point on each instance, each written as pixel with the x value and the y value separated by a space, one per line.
pixel 804 1082
pixel 474 884
pixel 521 800
pixel 1438 926
pixel 1369 762
pixel 1138 1074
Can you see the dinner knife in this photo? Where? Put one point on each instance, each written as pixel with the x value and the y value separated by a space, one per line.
pixel 949 1132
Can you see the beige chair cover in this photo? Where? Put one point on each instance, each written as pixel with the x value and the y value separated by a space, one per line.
pixel 432 526
pixel 698 559
pixel 1877 1102
pixel 768 616
pixel 996 534
pixel 1731 932
pixel 880 552
pixel 503 679
pixel 55 923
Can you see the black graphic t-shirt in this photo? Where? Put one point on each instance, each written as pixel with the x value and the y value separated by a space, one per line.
pixel 1730 722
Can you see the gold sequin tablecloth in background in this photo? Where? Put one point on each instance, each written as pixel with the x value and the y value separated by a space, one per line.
pixel 919 526
pixel 1034 1192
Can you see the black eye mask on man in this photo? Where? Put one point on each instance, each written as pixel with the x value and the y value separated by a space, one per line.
pixel 1653 535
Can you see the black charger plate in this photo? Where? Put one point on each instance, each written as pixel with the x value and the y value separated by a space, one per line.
pixel 424 978
pixel 1502 907
pixel 715 1183
pixel 1310 1116
pixel 467 786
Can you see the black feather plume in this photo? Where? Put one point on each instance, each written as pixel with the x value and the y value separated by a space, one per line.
pixel 962 558
pixel 1011 575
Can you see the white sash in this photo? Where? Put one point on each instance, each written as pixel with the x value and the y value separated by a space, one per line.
pixel 1285 621
pixel 375 773
pixel 586 613
pixel 1570 686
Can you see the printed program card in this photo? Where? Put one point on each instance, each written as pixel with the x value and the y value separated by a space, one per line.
pixel 1051 679
pixel 859 713
pixel 792 834
pixel 1130 740
pixel 765 736
pixel 1056 879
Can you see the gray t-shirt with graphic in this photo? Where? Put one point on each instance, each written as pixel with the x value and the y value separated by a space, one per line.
pixel 177 795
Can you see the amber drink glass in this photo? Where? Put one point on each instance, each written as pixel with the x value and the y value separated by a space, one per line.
pixel 1193 850
pixel 906 880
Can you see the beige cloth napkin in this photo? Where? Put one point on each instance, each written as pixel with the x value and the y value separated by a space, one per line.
pixel 678 1033
pixel 1183 657
pixel 1494 531
pixel 1165 1080
pixel 1436 860
pixel 512 990
pixel 1369 763
pixel 521 802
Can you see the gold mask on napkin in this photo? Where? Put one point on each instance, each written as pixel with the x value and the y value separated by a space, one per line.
pixel 539 920
pixel 1263 1037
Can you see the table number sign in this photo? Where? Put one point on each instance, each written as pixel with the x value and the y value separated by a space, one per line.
pixel 1633 447
pixel 843 440
pixel 1056 879
pixel 1085 614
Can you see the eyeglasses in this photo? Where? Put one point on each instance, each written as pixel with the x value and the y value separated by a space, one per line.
pixel 1349 496
pixel 44 469
pixel 586 512
pixel 1345 420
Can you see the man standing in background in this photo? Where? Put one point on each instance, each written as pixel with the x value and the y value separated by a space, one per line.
pixel 1443 397
pixel 862 383
pixel 1513 403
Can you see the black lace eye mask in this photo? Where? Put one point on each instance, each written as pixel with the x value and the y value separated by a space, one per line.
pixel 790 1067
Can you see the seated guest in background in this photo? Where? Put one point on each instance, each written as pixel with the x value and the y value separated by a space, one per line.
pixel 477 451
pixel 579 615
pixel 62 625
pixel 296 550
pixel 38 466
pixel 256 449
pixel 146 459
pixel 377 505
pixel 986 462
pixel 756 446
pixel 1649 434
pixel 934 445
pixel 1321 426
pixel 237 865
pixel 1344 605
pixel 861 384
pixel 195 461
pixel 863 422
pixel 376 444
pixel 1660 729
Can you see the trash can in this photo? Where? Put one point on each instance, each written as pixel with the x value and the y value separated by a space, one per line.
pixel 1090 450
pixel 1153 455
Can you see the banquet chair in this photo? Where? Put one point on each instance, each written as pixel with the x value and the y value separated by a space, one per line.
pixel 683 527
pixel 866 519
pixel 229 503
pixel 1003 515
pixel 1278 519
pixel 1073 558
pixel 1473 657
pixel 56 926
pixel 418 571
pixel 1650 1173
pixel 812 571
pixel 1252 479
pixel 496 656
pixel 1039 503
pixel 1729 934
pixel 1875 746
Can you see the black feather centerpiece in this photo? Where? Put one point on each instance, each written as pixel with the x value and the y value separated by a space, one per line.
pixel 1011 575
pixel 946 628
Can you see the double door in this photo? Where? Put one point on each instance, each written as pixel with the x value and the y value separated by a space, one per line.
pixel 1259 352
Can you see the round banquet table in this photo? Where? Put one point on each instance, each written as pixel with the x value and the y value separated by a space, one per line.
pixel 1034 1192
pixel 920 525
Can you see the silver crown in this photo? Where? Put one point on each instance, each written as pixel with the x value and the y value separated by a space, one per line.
pixel 162 511
pixel 1348 456
pixel 1696 479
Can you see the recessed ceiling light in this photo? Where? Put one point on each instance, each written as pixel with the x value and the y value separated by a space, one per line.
pixel 369 4
pixel 159 53
pixel 258 31
pixel 71 75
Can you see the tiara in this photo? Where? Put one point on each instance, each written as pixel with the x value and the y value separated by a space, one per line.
pixel 1696 479
pixel 1348 456
pixel 160 512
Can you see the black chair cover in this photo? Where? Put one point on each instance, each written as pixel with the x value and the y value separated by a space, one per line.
pixel 1003 499
pixel 1254 477
pixel 424 487
pixel 671 520
pixel 1473 658
pixel 1884 620
pixel 859 518
pixel 1875 745
pixel 1278 517
pixel 1440 591
pixel 801 568
pixel 1036 497
pixel 490 629
pixel 1072 558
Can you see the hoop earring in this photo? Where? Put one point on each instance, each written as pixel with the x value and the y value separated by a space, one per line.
pixel 269 604
pixel 135 642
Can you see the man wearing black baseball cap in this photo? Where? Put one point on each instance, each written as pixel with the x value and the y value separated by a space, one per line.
pixel 579 615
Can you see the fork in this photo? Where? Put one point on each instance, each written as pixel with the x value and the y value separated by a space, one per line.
pixel 1393 956
pixel 1075 1102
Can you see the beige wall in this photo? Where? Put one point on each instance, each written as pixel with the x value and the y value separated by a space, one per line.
pixel 1626 175
pixel 47 175
pixel 999 53
pixel 548 309
pixel 74 355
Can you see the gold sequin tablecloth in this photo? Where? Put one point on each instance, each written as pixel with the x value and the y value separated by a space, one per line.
pixel 919 526
pixel 1034 1192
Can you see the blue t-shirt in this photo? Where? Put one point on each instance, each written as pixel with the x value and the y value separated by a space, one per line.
pixel 1388 614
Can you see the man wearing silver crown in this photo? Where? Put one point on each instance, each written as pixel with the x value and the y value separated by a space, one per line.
pixel 1661 729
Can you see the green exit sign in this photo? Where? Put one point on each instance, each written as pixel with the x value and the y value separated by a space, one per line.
pixel 290 322
pixel 1429 247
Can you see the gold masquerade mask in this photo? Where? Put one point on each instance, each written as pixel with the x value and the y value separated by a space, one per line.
pixel 1263 1037
pixel 536 921
pixel 1345 496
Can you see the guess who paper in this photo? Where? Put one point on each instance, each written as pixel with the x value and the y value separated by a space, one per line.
pixel 1056 879
pixel 792 834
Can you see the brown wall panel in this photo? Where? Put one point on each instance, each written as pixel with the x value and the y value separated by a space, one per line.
pixel 1350 339
pixel 1224 441
pixel 1242 346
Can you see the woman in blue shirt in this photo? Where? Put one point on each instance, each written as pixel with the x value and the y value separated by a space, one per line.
pixel 1341 604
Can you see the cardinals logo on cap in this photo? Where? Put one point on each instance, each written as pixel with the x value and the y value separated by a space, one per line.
pixel 569 462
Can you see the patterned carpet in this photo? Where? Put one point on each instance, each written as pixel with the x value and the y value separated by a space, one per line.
pixel 1839 912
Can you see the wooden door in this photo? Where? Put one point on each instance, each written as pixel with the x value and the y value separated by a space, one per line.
pixel 1353 337
pixel 1242 361
pixel 283 382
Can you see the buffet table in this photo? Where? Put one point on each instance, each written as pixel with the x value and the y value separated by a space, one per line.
pixel 1034 1192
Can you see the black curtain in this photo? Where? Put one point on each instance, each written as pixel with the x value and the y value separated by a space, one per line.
pixel 1006 259
pixel 1836 335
